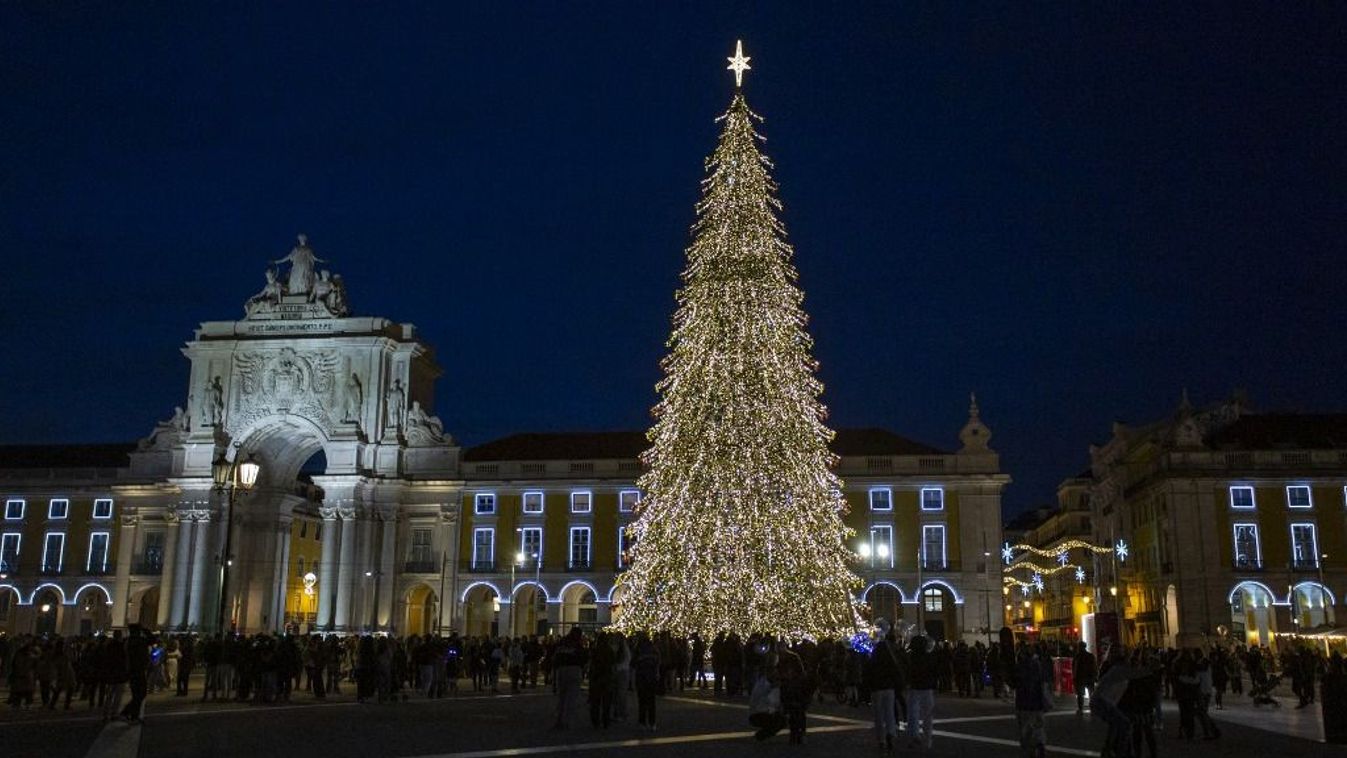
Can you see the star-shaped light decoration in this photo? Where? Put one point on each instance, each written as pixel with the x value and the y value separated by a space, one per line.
pixel 1025 589
pixel 1062 558
pixel 1038 581
pixel 1080 575
pixel 739 63
pixel 1121 550
pixel 1006 553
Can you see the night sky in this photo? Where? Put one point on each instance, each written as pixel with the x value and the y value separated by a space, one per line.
pixel 1076 211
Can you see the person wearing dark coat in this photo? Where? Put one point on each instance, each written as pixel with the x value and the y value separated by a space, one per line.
pixel 137 671
pixel 114 673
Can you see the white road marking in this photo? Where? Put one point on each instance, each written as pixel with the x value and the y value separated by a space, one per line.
pixel 117 740
pixel 637 742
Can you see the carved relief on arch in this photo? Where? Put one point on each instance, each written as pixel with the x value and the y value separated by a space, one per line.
pixel 284 382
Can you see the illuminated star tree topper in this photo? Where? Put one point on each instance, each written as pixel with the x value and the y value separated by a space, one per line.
pixel 740 529
pixel 739 63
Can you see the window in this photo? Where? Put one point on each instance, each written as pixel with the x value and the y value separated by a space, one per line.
pixel 154 552
pixel 621 545
pixel 53 552
pixel 932 499
pixel 483 549
pixel 13 510
pixel 9 552
pixel 484 504
pixel 299 567
pixel 303 529
pixel 318 531
pixel 579 547
pixel 582 502
pixel 58 509
pixel 881 499
pixel 881 545
pixel 627 500
pixel 933 546
pixel 934 598
pixel 533 502
pixel 1241 497
pixel 98 553
pixel 1304 546
pixel 1298 496
pixel 103 508
pixel 531 545
pixel 1248 553
pixel 422 556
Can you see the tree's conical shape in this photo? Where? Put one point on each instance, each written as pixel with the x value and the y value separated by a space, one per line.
pixel 740 529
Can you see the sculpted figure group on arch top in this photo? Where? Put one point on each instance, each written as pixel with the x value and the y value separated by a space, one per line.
pixel 304 288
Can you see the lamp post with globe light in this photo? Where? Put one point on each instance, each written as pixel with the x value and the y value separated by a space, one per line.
pixel 229 476
pixel 868 553
pixel 518 561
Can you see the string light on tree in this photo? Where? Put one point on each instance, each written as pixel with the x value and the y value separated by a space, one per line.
pixel 740 529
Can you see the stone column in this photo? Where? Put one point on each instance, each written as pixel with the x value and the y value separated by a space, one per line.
pixel 182 574
pixel 282 574
pixel 201 554
pixel 126 548
pixel 447 592
pixel 388 571
pixel 365 579
pixel 163 616
pixel 327 568
pixel 345 569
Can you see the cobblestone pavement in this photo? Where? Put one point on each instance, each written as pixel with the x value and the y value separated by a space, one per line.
pixel 484 726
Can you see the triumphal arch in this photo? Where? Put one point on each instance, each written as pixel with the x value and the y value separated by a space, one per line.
pixel 299 385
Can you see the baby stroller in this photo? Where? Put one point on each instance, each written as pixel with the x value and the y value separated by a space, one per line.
pixel 1262 693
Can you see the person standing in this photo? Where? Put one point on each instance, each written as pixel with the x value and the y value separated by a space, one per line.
pixel 602 675
pixel 621 674
pixel 63 674
pixel 1084 670
pixel 798 682
pixel 1033 680
pixel 568 659
pixel 137 671
pixel 922 676
pixel 885 676
pixel 646 671
pixel 114 673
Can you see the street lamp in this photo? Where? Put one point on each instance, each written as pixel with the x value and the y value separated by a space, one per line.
pixel 518 561
pixel 374 601
pixel 229 476
pixel 987 589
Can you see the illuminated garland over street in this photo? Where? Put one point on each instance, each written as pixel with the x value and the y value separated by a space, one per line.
pixel 1044 570
pixel 740 529
pixel 1008 550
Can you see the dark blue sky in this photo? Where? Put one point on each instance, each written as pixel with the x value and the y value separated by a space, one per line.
pixel 1076 211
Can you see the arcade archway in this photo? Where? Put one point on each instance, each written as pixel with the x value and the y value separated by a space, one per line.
pixel 885 602
pixel 1252 616
pixel 579 606
pixel 481 610
pixel 49 612
pixel 529 608
pixel 422 609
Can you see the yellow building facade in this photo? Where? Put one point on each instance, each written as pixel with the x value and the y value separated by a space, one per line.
pixel 1235 522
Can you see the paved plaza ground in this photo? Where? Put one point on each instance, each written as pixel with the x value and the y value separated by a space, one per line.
pixel 690 724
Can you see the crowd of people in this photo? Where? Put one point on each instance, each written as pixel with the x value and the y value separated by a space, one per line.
pixel 898 676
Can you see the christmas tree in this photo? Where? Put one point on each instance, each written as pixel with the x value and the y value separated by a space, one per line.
pixel 740 529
